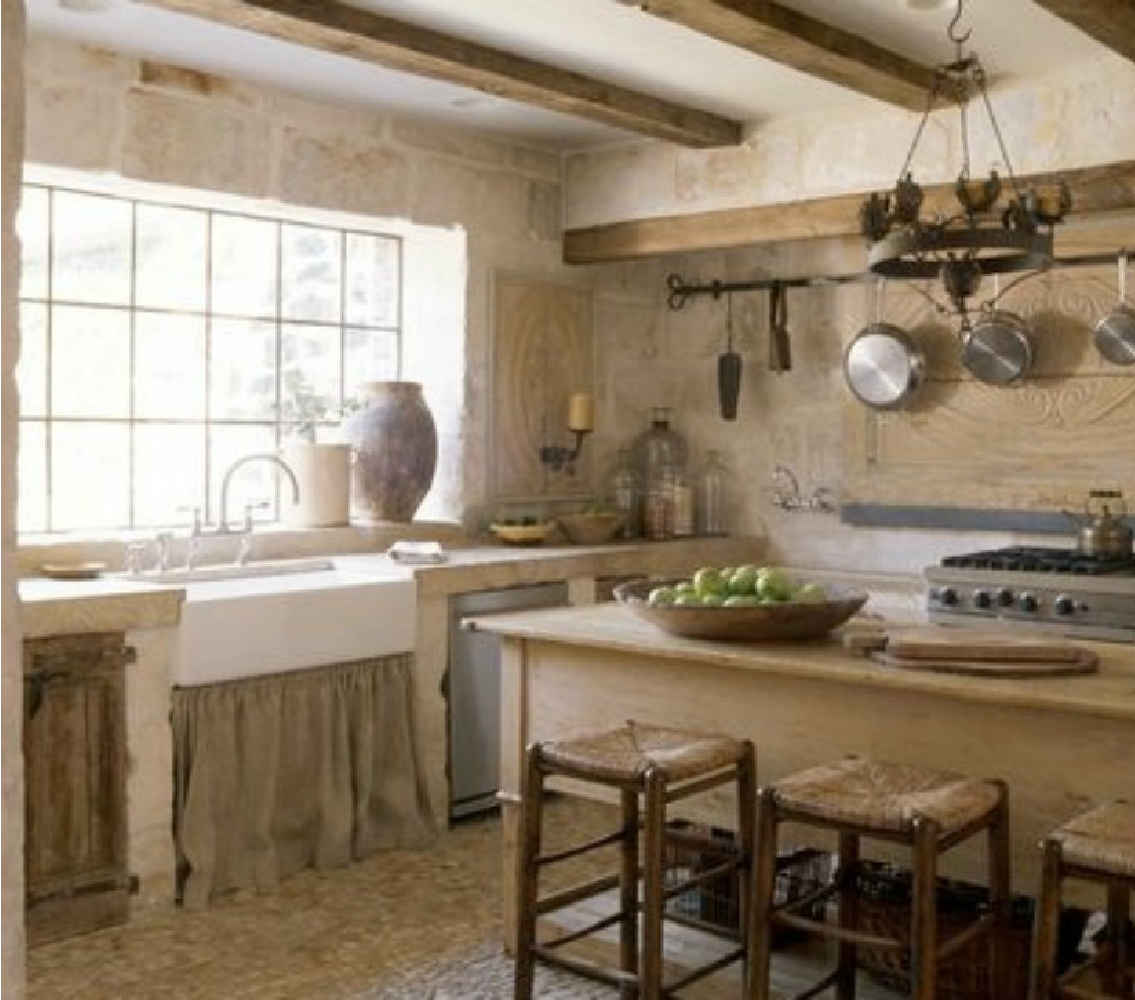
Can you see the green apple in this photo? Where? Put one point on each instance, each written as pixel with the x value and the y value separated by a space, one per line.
pixel 684 587
pixel 689 600
pixel 774 585
pixel 713 600
pixel 660 597
pixel 811 593
pixel 742 601
pixel 708 580
pixel 743 580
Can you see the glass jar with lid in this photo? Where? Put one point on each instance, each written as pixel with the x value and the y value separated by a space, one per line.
pixel 660 453
pixel 712 495
pixel 626 494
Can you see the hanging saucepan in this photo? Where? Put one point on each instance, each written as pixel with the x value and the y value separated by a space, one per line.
pixel 883 367
pixel 1115 333
pixel 998 348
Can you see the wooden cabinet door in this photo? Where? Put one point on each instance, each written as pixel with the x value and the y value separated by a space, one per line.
pixel 75 784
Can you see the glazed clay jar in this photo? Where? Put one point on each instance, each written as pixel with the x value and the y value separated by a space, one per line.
pixel 395 443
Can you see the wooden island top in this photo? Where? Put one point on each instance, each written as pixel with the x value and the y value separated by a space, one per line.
pixel 1061 743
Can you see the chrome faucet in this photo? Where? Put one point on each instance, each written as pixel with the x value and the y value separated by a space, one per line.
pixel 223 515
pixel 785 498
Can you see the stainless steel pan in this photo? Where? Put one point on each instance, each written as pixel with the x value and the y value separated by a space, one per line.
pixel 1115 333
pixel 883 366
pixel 998 349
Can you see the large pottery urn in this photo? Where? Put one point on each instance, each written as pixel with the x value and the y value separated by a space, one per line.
pixel 395 443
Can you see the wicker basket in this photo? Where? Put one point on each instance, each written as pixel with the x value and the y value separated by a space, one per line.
pixel 884 909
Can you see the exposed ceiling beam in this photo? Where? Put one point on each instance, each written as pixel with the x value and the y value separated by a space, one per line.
pixel 361 34
pixel 1094 189
pixel 1109 22
pixel 803 43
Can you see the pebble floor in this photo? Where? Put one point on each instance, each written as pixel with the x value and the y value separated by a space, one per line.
pixel 398 925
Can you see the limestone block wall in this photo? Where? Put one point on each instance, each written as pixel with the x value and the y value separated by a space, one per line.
pixel 1076 118
pixel 98 111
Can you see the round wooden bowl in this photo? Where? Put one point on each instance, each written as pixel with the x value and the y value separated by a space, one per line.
pixel 523 534
pixel 780 620
pixel 590 529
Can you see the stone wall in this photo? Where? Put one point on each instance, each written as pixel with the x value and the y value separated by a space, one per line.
pixel 106 113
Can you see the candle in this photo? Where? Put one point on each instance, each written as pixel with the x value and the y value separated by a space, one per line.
pixel 581 412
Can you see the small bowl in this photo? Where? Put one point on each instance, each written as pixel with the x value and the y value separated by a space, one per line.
pixel 780 620
pixel 522 534
pixel 590 528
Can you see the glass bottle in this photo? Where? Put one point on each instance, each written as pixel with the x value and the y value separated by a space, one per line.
pixel 660 453
pixel 681 503
pixel 626 495
pixel 711 495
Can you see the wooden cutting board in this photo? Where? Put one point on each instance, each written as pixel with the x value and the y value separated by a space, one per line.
pixel 956 644
pixel 1086 662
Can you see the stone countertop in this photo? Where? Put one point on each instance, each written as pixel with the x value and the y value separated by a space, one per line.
pixel 1109 692
pixel 105 604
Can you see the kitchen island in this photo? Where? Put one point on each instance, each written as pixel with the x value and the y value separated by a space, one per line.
pixel 1062 743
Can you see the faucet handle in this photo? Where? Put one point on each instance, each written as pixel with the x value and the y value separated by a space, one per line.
pixel 195 529
pixel 165 549
pixel 249 508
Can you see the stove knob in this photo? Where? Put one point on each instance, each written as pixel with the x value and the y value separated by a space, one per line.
pixel 1005 597
pixel 1027 602
pixel 982 599
pixel 947 596
pixel 1064 605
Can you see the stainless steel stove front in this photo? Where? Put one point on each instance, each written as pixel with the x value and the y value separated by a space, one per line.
pixel 1100 607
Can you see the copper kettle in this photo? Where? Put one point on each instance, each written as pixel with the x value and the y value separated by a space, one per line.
pixel 1103 531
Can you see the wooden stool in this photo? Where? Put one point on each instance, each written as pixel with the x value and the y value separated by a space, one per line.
pixel 662 766
pixel 929 811
pixel 1098 846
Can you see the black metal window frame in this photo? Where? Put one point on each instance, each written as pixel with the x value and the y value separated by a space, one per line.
pixel 280 424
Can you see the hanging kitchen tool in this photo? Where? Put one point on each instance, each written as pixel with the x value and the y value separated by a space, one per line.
pixel 883 366
pixel 1115 333
pixel 1103 531
pixel 998 348
pixel 728 369
pixel 779 346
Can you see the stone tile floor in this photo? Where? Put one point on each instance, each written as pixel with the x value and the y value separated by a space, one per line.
pixel 382 928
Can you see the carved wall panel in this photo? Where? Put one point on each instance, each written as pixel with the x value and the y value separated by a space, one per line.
pixel 1037 445
pixel 542 354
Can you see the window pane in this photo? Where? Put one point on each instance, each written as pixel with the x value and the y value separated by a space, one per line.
pixel 32 472
pixel 171 258
pixel 90 248
pixel 32 224
pixel 310 273
pixel 31 372
pixel 90 475
pixel 243 370
pixel 368 355
pixel 310 355
pixel 169 473
pixel 244 266
pixel 251 483
pixel 373 279
pixel 169 364
pixel 90 362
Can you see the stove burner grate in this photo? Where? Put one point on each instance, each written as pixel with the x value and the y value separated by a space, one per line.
pixel 1040 559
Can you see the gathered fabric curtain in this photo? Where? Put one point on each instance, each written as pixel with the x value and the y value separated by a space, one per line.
pixel 309 769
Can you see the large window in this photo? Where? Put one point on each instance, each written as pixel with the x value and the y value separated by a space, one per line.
pixel 160 342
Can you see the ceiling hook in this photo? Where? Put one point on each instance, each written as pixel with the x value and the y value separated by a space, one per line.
pixel 958 40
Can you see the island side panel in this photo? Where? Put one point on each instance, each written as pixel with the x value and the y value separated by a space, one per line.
pixel 1056 762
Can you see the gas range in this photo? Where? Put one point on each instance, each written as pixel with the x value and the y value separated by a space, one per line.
pixel 1041 589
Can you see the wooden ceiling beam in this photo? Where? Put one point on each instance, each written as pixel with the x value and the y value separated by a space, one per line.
pixel 805 44
pixel 1094 189
pixel 355 33
pixel 1109 22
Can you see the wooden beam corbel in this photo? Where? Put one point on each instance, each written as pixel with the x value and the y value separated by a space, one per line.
pixel 803 43
pixel 1106 188
pixel 361 34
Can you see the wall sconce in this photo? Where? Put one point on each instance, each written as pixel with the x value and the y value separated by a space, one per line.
pixel 581 421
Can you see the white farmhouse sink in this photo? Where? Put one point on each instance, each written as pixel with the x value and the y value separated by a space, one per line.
pixel 234 571
pixel 262 624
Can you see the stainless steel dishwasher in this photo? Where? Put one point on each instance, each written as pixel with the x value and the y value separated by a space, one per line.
pixel 474 692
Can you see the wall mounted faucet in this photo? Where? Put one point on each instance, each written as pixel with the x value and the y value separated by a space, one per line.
pixel 787 496
pixel 223 515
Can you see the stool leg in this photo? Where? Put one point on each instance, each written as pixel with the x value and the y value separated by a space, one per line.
pixel 847 951
pixel 1000 892
pixel 532 805
pixel 650 978
pixel 761 895
pixel 1118 912
pixel 924 911
pixel 1046 922
pixel 746 818
pixel 628 890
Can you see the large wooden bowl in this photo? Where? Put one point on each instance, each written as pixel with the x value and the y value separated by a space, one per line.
pixel 782 620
